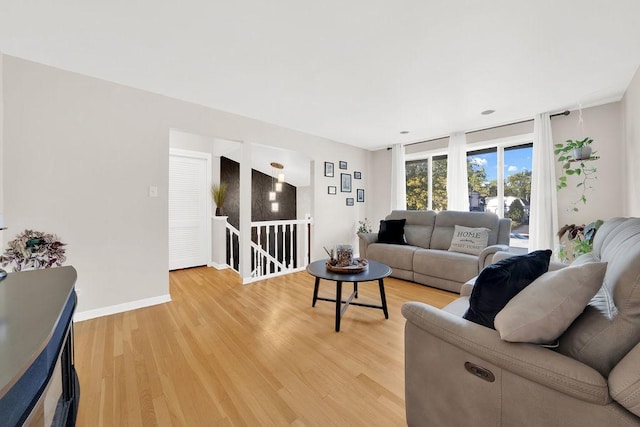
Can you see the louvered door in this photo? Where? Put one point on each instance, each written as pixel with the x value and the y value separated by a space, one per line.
pixel 189 209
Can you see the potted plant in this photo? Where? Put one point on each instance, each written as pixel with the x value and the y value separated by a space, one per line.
pixel 32 250
pixel 573 155
pixel 218 194
pixel 364 226
pixel 580 150
pixel 579 238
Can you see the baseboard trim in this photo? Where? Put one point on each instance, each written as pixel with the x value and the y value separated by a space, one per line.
pixel 119 308
pixel 217 266
pixel 247 280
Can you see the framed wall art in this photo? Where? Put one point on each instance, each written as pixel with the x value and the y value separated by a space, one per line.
pixel 360 195
pixel 357 175
pixel 332 189
pixel 349 201
pixel 328 169
pixel 345 182
pixel 342 164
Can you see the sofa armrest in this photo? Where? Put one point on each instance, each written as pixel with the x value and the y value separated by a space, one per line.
pixel 486 256
pixel 529 361
pixel 624 381
pixel 365 239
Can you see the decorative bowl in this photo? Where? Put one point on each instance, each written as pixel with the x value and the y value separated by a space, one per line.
pixel 359 265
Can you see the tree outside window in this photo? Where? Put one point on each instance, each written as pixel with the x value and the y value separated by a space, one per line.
pixel 418 176
pixel 417 184
pixel 439 187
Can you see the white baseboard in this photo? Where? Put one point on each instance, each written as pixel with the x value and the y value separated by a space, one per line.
pixel 247 280
pixel 119 308
pixel 217 266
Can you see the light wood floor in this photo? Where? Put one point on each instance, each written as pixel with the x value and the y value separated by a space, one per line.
pixel 225 354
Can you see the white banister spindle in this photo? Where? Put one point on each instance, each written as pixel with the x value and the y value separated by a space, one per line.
pixel 268 248
pixel 307 243
pixel 259 257
pixel 230 243
pixel 275 242
pixel 291 245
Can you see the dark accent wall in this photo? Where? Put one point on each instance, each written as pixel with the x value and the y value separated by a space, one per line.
pixel 261 184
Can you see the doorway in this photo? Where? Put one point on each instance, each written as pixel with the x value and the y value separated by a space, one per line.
pixel 189 208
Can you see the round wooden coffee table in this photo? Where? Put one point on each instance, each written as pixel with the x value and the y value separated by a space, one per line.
pixel 375 271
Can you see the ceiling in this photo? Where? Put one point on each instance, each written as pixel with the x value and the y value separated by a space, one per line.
pixel 357 71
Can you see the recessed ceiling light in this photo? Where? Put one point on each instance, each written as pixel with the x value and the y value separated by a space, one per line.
pixel 404 132
pixel 487 112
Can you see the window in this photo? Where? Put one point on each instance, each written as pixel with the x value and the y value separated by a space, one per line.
pixel 417 173
pixel 427 183
pixel 517 191
pixel 500 182
pixel 482 170
pixel 439 187
pixel 499 177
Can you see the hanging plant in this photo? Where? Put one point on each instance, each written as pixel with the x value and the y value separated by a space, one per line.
pixel 574 155
pixel 34 250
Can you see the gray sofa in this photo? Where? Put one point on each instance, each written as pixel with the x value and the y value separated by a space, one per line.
pixel 426 258
pixel 591 379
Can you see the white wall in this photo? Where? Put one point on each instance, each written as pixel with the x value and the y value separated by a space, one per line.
pixel 80 154
pixel 343 219
pixel 631 152
pixel 603 124
pixel 1 133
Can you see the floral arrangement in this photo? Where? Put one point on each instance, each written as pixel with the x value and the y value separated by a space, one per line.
pixel 34 250
pixel 364 226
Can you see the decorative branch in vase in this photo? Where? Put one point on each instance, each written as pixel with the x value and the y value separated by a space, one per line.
pixel 219 194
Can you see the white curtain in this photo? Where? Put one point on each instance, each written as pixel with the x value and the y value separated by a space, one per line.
pixel 457 181
pixel 543 220
pixel 398 178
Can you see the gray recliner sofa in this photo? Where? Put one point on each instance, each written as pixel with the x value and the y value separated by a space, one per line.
pixel 591 379
pixel 425 258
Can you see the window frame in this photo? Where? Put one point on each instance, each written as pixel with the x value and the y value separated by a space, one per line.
pixel 499 143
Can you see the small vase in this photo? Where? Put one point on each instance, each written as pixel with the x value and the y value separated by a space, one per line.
pixel 582 153
pixel 219 212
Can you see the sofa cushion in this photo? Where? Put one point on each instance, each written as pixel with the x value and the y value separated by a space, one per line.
pixel 395 256
pixel 392 231
pixel 498 283
pixel 418 226
pixel 542 311
pixel 453 266
pixel 469 240
pixel 447 220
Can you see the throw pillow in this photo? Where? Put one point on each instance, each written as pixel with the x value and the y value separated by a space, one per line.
pixel 469 240
pixel 392 231
pixel 498 283
pixel 545 309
